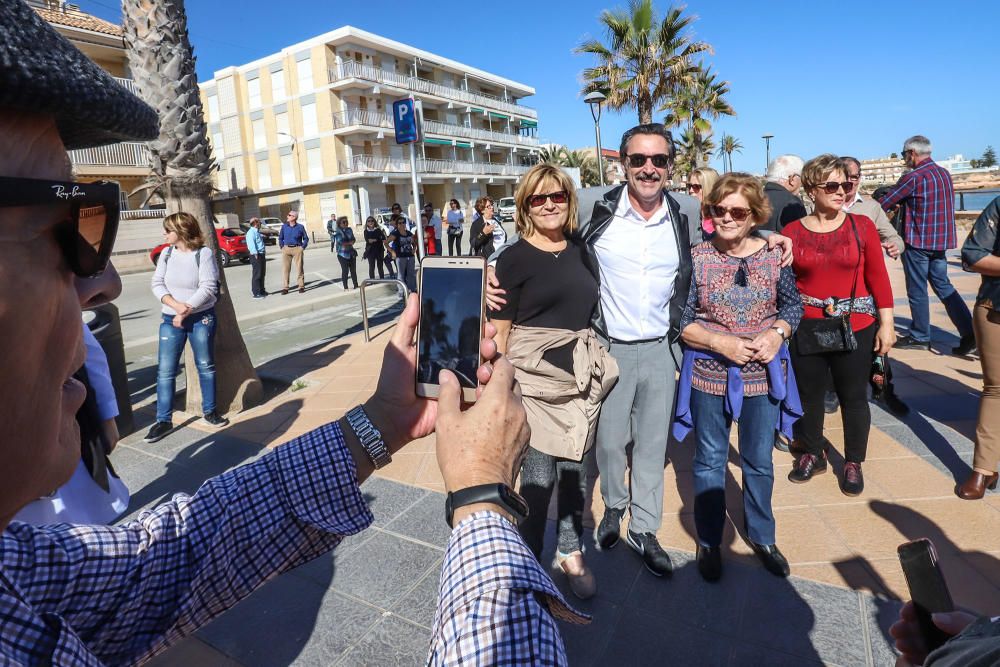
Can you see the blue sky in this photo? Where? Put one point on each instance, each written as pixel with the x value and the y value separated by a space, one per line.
pixel 845 77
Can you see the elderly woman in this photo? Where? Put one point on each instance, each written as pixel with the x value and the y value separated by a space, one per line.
pixel 374 247
pixel 841 274
pixel 344 239
pixel 544 329
pixel 700 182
pixel 741 308
pixel 487 233
pixel 982 255
pixel 186 282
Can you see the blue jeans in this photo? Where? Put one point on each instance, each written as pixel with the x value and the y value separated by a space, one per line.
pixel 756 440
pixel 923 266
pixel 199 328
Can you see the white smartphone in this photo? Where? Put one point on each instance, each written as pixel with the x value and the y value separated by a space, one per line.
pixel 452 307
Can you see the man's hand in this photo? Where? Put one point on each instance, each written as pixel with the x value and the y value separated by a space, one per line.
pixel 494 295
pixel 891 249
pixel 910 641
pixel 767 343
pixel 785 243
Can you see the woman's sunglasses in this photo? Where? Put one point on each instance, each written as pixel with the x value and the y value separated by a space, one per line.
pixel 830 187
pixel 534 201
pixel 694 187
pixel 637 160
pixel 87 232
pixel 738 213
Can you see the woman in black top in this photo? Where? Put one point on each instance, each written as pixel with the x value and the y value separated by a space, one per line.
pixel 487 234
pixel 374 247
pixel 544 329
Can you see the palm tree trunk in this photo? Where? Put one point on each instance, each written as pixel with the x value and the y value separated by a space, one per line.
pixel 161 60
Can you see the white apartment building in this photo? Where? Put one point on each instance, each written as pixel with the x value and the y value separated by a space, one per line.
pixel 311 128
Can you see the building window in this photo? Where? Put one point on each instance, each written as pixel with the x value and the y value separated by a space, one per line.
pixel 305 74
pixel 281 125
pixel 217 144
pixel 263 174
pixel 287 169
pixel 278 85
pixel 253 93
pixel 310 126
pixel 315 161
pixel 213 108
pixel 259 135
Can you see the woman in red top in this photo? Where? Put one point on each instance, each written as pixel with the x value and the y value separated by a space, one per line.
pixel 826 263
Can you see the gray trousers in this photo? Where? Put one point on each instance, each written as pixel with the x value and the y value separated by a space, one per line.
pixel 638 410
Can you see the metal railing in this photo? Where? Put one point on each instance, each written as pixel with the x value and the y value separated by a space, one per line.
pixel 125 154
pixel 361 163
pixel 366 117
pixel 364 301
pixel 142 213
pixel 129 85
pixel 353 69
pixel 379 119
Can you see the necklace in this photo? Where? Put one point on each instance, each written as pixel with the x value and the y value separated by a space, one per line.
pixel 556 254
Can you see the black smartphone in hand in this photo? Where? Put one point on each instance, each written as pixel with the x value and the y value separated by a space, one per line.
pixel 928 589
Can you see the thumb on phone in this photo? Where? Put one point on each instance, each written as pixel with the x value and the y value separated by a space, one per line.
pixel 953 622
pixel 449 396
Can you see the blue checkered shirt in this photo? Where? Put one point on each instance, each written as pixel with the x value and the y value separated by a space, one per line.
pixel 116 595
pixel 930 207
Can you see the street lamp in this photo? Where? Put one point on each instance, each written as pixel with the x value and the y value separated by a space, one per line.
pixel 295 156
pixel 767 150
pixel 595 99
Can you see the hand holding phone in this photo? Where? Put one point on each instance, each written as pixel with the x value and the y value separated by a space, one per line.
pixel 928 589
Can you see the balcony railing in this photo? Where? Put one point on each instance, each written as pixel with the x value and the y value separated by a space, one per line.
pixel 352 68
pixel 362 163
pixel 129 85
pixel 125 154
pixel 380 120
pixel 142 213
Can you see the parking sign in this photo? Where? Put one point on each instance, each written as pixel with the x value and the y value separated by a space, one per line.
pixel 404 115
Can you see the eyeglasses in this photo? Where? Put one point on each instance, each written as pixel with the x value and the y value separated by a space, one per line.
pixel 738 213
pixel 830 187
pixel 87 233
pixel 694 187
pixel 488 204
pixel 637 160
pixel 534 201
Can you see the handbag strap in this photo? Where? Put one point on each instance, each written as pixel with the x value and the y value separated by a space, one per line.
pixel 857 269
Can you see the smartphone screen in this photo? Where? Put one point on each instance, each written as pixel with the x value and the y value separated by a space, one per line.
pixel 451 322
pixel 928 589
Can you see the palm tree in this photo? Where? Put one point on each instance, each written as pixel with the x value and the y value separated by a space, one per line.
pixel 698 103
pixel 587 165
pixel 728 144
pixel 693 149
pixel 162 63
pixel 552 154
pixel 645 60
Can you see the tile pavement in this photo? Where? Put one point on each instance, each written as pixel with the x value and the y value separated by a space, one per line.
pixel 372 601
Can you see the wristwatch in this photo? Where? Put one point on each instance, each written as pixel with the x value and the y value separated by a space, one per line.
pixel 498 494
pixel 369 436
pixel 781 331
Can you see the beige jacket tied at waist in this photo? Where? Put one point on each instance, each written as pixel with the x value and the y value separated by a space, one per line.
pixel 562 407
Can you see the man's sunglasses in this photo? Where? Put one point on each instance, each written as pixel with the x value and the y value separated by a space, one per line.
pixel 637 160
pixel 534 201
pixel 830 187
pixel 738 213
pixel 87 232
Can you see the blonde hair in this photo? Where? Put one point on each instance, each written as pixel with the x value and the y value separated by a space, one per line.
pixel 746 185
pixel 187 229
pixel 527 186
pixel 818 169
pixel 707 177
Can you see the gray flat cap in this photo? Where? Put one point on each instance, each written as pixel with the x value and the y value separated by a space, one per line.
pixel 41 71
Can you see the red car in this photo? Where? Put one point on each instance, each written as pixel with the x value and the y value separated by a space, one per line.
pixel 232 245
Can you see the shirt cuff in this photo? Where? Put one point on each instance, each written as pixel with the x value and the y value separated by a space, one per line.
pixel 320 482
pixel 487 554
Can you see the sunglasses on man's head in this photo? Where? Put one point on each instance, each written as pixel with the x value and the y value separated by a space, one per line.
pixel 534 201
pixel 87 232
pixel 637 160
pixel 738 213
pixel 830 187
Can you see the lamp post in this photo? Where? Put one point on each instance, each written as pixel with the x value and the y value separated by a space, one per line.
pixel 767 150
pixel 595 99
pixel 295 156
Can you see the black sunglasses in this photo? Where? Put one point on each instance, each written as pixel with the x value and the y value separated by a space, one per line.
pixel 87 233
pixel 738 213
pixel 831 187
pixel 636 160
pixel 694 187
pixel 534 201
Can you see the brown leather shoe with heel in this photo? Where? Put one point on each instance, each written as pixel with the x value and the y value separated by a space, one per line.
pixel 975 487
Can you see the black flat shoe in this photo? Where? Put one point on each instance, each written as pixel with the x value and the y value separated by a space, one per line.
pixel 774 561
pixel 609 530
pixel 709 562
pixel 159 431
pixel 654 557
pixel 965 346
pixel 853 482
pixel 805 467
pixel 910 343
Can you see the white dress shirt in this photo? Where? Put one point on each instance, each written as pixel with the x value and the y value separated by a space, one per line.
pixel 638 260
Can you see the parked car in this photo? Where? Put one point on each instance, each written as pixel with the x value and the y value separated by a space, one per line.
pixel 273 224
pixel 506 208
pixel 269 235
pixel 232 245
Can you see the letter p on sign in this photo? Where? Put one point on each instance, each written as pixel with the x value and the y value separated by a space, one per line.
pixel 405 121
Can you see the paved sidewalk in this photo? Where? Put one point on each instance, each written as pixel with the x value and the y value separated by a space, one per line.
pixel 372 602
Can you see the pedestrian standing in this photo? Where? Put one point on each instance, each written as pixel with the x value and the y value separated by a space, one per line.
pixel 374 248
pixel 402 245
pixel 784 180
pixel 346 254
pixel 699 183
pixel 487 233
pixel 841 275
pixel 742 306
pixel 435 221
pixel 331 230
pixel 431 239
pixel 258 261
pixel 186 282
pixel 928 231
pixel 293 240
pixel 456 227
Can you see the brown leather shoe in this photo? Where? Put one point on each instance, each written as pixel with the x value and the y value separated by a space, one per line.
pixel 302 290
pixel 284 291
pixel 975 487
pixel 581 579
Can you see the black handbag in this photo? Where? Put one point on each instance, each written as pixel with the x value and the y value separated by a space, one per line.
pixel 831 334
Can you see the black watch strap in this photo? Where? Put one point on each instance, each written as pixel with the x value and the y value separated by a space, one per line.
pixel 497 494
